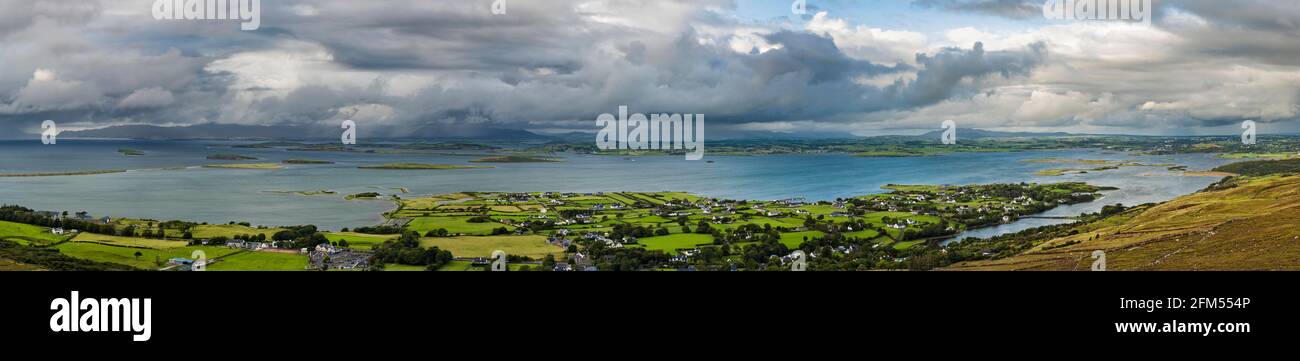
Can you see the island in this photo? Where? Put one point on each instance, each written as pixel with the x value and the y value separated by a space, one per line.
pixel 56 174
pixel 306 161
pixel 230 156
pixel 257 166
pixel 130 152
pixel 366 195
pixel 515 159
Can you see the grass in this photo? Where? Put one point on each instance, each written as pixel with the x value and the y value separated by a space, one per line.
pixel 402 267
pixel 359 241
pixel 794 239
pixel 671 243
pixel 261 261
pixel 1251 226
pixel 257 166
pixel 454 225
pixel 8 265
pixel 128 241
pixel 126 255
pixel 422 166
pixel 27 233
pixel 229 231
pixel 530 246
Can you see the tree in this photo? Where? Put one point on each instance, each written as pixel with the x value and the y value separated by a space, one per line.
pixel 138 254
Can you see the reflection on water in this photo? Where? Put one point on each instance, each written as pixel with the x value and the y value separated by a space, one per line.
pixel 165 184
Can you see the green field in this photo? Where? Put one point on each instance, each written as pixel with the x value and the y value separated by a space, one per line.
pixel 128 241
pixel 229 231
pixel 531 246
pixel 261 261
pixel 454 225
pixel 27 234
pixel 359 241
pixel 126 255
pixel 794 239
pixel 671 243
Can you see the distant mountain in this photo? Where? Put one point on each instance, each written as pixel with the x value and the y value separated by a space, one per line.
pixel 236 131
pixel 972 133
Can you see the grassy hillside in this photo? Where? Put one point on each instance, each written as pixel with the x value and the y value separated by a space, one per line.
pixel 1250 223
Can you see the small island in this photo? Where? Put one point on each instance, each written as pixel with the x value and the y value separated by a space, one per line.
pixel 306 161
pixel 421 166
pixel 130 152
pixel 260 166
pixel 56 174
pixel 228 156
pixel 515 159
pixel 366 195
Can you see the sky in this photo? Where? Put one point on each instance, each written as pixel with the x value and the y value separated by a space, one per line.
pixel 843 67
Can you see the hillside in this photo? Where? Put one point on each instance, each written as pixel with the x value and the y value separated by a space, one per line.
pixel 1242 224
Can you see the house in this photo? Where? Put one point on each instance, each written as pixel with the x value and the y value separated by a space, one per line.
pixel 562 267
pixel 58 231
pixel 326 248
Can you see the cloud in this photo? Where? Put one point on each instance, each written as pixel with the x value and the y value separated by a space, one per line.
pixel 147 98
pixel 1015 9
pixel 554 65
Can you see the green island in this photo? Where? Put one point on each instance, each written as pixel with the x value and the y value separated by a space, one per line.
pixel 306 161
pixel 130 152
pixel 1098 166
pixel 366 195
pixel 422 166
pixel 254 166
pixel 57 174
pixel 230 156
pixel 515 159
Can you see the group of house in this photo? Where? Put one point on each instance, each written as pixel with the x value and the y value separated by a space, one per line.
pixel 80 216
pixel 327 256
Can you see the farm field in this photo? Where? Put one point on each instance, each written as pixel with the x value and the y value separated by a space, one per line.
pixel 260 261
pixel 672 242
pixel 359 241
pixel 27 234
pixel 148 259
pixel 530 246
pixel 128 241
pixel 454 225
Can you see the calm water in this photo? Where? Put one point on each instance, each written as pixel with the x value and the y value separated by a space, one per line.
pixel 166 183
